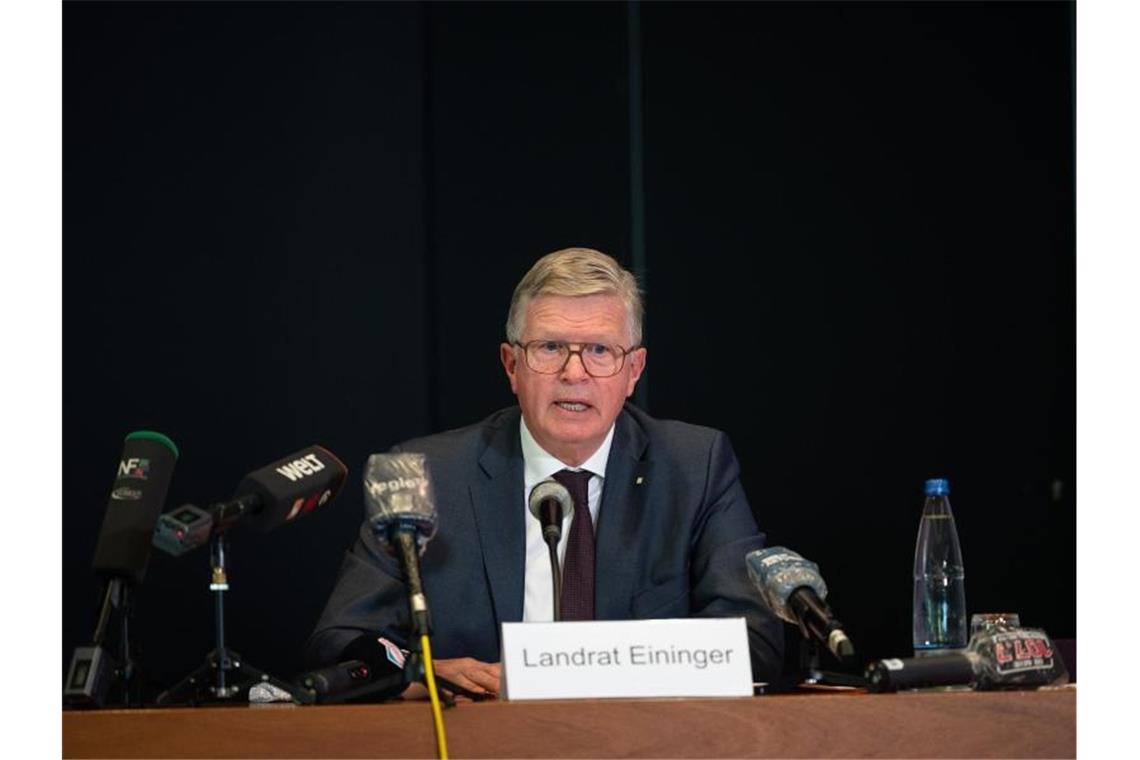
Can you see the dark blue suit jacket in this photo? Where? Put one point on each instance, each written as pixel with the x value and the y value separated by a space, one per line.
pixel 670 546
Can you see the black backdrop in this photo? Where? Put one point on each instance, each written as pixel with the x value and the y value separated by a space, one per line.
pixel 296 223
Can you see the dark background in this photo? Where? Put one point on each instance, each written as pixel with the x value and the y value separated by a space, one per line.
pixel 300 223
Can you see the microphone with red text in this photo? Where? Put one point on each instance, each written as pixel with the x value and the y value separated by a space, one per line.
pixel 289 488
pixel 401 512
pixel 266 498
pixel 1000 658
pixel 548 502
pixel 792 587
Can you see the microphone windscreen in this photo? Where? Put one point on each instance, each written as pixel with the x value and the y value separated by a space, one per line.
pixel 398 494
pixel 137 497
pixel 292 487
pixel 339 678
pixel 374 669
pixel 550 489
pixel 777 572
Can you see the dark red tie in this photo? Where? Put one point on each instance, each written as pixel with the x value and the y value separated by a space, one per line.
pixel 578 565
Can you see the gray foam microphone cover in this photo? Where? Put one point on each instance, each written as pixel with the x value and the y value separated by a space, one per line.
pixel 777 572
pixel 550 489
pixel 397 491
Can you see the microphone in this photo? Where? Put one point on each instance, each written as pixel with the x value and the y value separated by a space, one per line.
pixel 389 676
pixel 374 668
pixel 266 498
pixel 921 672
pixel 398 498
pixel 137 496
pixel 288 488
pixel 1001 658
pixel 401 512
pixel 548 502
pixel 121 555
pixel 330 683
pixel 793 588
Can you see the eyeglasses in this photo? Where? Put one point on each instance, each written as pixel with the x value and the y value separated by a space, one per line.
pixel 549 357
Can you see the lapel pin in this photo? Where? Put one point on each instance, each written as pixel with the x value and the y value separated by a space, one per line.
pixel 640 480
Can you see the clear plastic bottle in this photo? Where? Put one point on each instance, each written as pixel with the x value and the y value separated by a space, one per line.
pixel 940 622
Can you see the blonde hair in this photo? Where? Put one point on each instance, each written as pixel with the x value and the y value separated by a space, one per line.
pixel 576 272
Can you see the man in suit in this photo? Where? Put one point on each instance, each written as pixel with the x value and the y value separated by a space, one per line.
pixel 660 527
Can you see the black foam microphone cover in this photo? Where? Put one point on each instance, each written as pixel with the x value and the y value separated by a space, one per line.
pixel 337 682
pixel 368 649
pixel 137 498
pixel 549 500
pixel 291 487
pixel 387 678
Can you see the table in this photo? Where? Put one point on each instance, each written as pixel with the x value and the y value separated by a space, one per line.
pixel 846 724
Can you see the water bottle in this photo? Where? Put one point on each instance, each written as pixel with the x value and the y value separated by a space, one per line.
pixel 940 623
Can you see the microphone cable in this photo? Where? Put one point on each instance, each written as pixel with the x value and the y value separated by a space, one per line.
pixel 433 693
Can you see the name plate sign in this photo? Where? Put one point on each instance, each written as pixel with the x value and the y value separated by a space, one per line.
pixel 691 657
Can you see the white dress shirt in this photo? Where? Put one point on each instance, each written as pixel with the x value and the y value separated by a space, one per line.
pixel 538 600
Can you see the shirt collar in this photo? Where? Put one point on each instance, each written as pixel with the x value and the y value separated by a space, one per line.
pixel 540 464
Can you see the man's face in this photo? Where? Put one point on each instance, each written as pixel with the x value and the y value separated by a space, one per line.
pixel 570 412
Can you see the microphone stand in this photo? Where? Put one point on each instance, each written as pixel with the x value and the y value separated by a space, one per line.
pixel 555 574
pixel 224 675
pixel 550 517
pixel 810 612
pixel 813 673
pixel 93 670
pixel 415 670
pixel 405 540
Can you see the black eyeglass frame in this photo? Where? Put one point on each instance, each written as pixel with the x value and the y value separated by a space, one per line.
pixel 571 352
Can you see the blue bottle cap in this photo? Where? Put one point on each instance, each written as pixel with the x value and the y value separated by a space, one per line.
pixel 938 487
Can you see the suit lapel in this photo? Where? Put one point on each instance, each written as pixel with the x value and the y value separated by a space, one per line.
pixel 497 502
pixel 620 517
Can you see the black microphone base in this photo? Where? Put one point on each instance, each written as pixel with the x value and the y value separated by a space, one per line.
pixel 228 683
pixel 99 671
pixel 90 677
pixel 812 673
